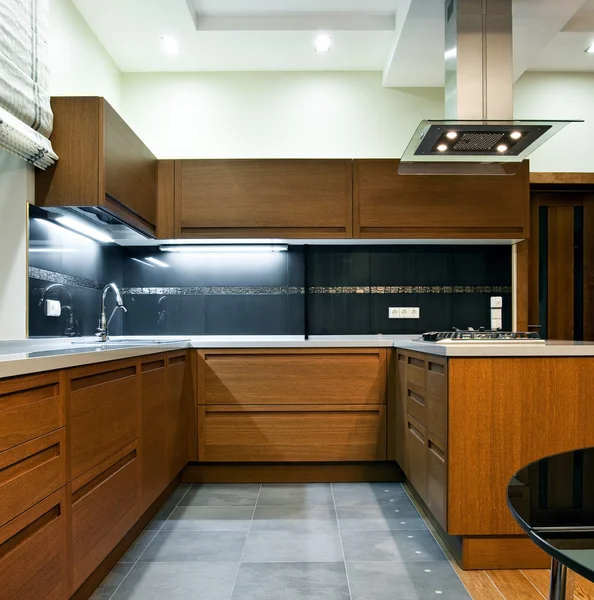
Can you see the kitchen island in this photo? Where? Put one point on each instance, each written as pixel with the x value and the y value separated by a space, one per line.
pixel 96 434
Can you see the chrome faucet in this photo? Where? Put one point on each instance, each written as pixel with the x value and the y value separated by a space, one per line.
pixel 102 330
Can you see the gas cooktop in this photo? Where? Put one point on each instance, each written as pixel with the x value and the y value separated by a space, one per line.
pixel 482 335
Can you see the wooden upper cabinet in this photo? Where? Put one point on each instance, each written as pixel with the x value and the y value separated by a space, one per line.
pixel 388 205
pixel 102 163
pixel 263 198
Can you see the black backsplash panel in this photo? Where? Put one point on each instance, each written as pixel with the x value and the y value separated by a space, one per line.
pixel 350 288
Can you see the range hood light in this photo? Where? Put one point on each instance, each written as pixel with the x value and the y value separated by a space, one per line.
pixel 515 135
pixel 226 248
pixel 502 148
pixel 442 147
pixel 156 261
pixel 452 135
pixel 82 228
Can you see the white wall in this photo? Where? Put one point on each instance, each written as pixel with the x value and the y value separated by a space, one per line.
pixel 79 65
pixel 559 96
pixel 247 115
pixel 16 189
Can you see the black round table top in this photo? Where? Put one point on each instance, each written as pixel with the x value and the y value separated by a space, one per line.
pixel 552 499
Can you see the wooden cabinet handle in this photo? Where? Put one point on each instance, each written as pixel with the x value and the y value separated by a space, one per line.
pixel 101 378
pixel 29 463
pixel 437 451
pixel 416 432
pixel 416 362
pixel 436 367
pixel 177 359
pixel 153 365
pixel 29 531
pixel 416 397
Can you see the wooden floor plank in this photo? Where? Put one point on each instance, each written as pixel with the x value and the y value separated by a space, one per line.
pixel 540 578
pixel 478 584
pixel 513 585
pixel 584 589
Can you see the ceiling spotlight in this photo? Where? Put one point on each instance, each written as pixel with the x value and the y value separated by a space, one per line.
pixel 515 135
pixel 452 135
pixel 502 148
pixel 442 147
pixel 590 50
pixel 170 44
pixel 323 43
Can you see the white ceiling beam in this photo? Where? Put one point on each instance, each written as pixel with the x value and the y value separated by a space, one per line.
pixel 295 22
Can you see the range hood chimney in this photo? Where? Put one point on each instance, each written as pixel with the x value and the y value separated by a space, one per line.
pixel 479 135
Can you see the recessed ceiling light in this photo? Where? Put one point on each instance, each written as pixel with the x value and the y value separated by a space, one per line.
pixel 452 135
pixel 323 43
pixel 157 262
pixel 170 44
pixel 515 135
pixel 442 147
pixel 502 148
pixel 590 50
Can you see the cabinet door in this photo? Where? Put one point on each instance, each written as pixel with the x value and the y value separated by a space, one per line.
pixel 264 198
pixel 293 434
pixel 105 503
pixel 130 171
pixel 31 472
pixel 401 424
pixel 388 205
pixel 30 406
pixel 437 477
pixel 292 377
pixel 33 553
pixel 416 456
pixel 178 412
pixel 155 471
pixel 103 412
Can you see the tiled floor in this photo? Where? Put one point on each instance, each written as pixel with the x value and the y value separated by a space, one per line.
pixel 285 542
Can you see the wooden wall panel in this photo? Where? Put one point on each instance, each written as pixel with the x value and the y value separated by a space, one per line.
pixel 166 223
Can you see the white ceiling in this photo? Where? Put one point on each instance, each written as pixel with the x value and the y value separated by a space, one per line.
pixel 402 38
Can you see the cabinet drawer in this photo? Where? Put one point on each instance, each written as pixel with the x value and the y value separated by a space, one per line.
pixel 29 407
pixel 416 456
pixel 105 505
pixel 33 553
pixel 437 477
pixel 437 416
pixel 416 405
pixel 31 472
pixel 416 369
pixel 318 377
pixel 437 376
pixel 293 433
pixel 103 415
pixel 178 412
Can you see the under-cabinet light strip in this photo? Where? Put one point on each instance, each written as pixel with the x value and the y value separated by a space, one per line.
pixel 226 248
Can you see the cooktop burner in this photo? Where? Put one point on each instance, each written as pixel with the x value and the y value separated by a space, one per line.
pixel 481 335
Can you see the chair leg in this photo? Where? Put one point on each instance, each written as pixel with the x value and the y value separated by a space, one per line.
pixel 558 581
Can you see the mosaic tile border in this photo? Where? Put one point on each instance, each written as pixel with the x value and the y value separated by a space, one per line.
pixel 55 277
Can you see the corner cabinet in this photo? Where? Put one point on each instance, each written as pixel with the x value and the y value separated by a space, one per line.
pixel 102 163
pixel 262 198
pixel 389 205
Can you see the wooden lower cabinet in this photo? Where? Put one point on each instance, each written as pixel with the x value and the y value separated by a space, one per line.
pixel 437 479
pixel 103 412
pixel 33 552
pixel 179 398
pixel 104 504
pixel 155 468
pixel 293 434
pixel 416 455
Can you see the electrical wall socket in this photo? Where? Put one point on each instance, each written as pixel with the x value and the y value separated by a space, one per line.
pixel 404 312
pixel 53 308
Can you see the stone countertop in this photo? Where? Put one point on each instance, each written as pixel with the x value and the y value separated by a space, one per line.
pixel 36 355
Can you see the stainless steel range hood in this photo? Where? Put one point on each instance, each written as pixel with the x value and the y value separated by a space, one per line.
pixel 479 134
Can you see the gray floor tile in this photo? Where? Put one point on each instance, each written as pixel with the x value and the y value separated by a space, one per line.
pixel 111 582
pixel 296 494
pixel 291 518
pixel 138 547
pixel 209 518
pixel 157 521
pixel 291 581
pixel 221 495
pixel 294 546
pixel 356 494
pixel 373 516
pixel 402 546
pixel 198 581
pixel 195 546
pixel 404 581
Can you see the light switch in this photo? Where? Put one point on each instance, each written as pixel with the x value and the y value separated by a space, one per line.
pixel 496 302
pixel 53 308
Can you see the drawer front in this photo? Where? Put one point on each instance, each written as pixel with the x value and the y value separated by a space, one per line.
pixel 154 443
pixel 437 376
pixel 416 405
pixel 287 377
pixel 31 472
pixel 105 505
pixel 33 553
pixel 178 413
pixel 416 369
pixel 437 475
pixel 416 456
pixel 294 434
pixel 103 415
pixel 29 407
pixel 437 416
